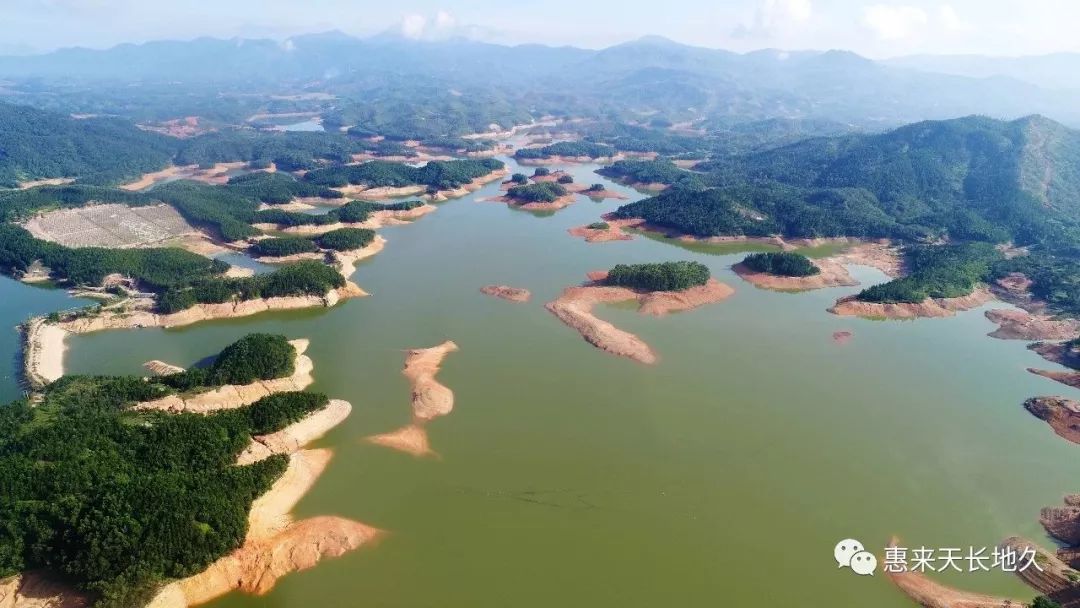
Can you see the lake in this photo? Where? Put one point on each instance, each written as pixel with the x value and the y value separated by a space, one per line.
pixel 725 473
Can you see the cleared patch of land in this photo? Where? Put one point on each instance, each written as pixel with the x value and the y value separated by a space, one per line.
pixel 111 225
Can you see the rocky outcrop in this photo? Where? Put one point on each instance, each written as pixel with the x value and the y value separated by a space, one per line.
pixel 928 308
pixel 233 396
pixel 1063 523
pixel 513 294
pixel 1067 378
pixel 1061 413
pixel 1053 577
pixel 1023 325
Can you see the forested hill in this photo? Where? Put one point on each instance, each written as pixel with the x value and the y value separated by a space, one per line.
pixel 971 177
pixel 37 144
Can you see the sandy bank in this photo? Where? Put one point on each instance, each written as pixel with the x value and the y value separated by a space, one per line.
pixel 514 294
pixel 206 312
pixel 275 545
pixel 317 256
pixel 881 255
pixel 296 435
pixel 613 232
pixel 574 307
pixel 1023 325
pixel 931 594
pixel 233 396
pixel 1063 415
pixel 599 195
pixel 833 274
pixel 161 368
pixel 930 308
pixel 346 261
pixel 430 398
pixel 52 181
pixel 38 590
pixel 469 188
pixel 411 439
pixel 571 160
pixel 43 352
pixel 214 175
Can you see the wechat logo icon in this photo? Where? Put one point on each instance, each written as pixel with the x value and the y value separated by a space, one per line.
pixel 850 553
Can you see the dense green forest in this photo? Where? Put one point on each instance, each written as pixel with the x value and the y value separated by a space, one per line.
pixel 290 151
pixel 652 172
pixel 282 246
pixel 781 263
pixel 442 175
pixel 567 149
pixel 543 192
pixel 663 276
pixel 305 278
pixel 119 501
pixel 937 271
pixel 156 269
pixel 276 188
pixel 253 357
pixel 36 144
pixel 346 239
pixel 351 212
pixel 965 180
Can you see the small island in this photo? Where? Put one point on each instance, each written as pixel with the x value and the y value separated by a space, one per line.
pixel 791 271
pixel 658 289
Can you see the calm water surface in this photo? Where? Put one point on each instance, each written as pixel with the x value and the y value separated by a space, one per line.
pixel 569 477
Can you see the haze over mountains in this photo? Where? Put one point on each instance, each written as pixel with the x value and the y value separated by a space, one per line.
pixel 648 75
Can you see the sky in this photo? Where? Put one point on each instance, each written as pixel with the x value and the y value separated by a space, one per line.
pixel 874 28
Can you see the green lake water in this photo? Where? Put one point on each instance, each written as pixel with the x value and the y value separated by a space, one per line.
pixel 569 477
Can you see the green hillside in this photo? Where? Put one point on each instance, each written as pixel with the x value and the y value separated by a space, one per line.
pixel 36 144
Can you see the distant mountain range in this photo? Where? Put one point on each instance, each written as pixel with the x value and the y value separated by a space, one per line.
pixel 650 75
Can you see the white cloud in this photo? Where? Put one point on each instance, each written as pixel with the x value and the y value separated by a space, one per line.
pixel 444 20
pixel 950 20
pixel 770 16
pixel 413 26
pixel 441 26
pixel 894 22
pixel 799 10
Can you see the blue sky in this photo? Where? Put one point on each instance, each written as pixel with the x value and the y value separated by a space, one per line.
pixel 877 28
